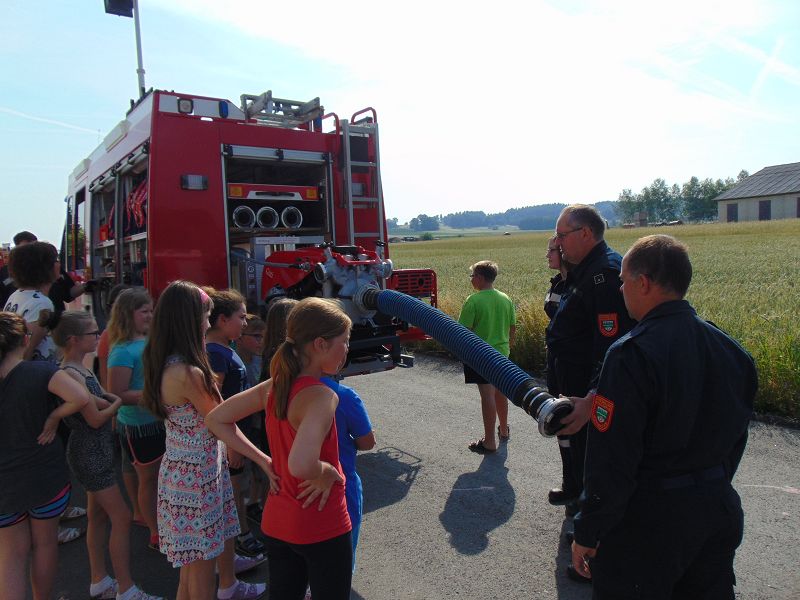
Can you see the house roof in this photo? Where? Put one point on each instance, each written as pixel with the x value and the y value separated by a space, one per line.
pixel 769 181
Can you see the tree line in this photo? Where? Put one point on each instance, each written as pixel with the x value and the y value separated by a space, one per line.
pixel 540 217
pixel 692 201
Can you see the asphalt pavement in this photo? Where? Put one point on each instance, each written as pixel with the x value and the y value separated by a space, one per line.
pixel 442 522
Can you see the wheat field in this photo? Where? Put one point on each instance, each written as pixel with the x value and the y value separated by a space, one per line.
pixel 746 280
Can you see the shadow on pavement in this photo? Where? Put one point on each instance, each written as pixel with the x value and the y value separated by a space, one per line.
pixel 567 589
pixel 386 476
pixel 478 503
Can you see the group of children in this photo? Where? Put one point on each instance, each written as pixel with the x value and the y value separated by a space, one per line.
pixel 191 413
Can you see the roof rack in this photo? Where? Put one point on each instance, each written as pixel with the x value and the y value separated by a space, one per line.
pixel 279 111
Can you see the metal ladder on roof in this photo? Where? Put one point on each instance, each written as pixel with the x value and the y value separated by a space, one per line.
pixel 268 110
pixel 355 197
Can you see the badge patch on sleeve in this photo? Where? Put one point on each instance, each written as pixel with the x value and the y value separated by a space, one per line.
pixel 602 412
pixel 608 323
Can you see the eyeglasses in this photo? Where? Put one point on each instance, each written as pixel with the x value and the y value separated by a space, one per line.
pixel 95 333
pixel 564 234
pixel 258 336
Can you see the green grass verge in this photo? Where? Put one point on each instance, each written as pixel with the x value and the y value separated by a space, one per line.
pixel 746 280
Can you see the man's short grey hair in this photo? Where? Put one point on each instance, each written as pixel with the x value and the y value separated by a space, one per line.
pixel 664 260
pixel 583 215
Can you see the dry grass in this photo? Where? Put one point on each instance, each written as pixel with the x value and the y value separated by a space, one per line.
pixel 746 280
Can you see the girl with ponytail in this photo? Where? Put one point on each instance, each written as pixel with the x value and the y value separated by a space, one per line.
pixel 305 520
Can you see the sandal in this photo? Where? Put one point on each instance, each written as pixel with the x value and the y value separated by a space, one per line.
pixel 73 512
pixel 249 546
pixel 254 512
pixel 479 448
pixel 507 436
pixel 69 534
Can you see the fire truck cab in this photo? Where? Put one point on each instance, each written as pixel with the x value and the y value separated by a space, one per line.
pixel 258 197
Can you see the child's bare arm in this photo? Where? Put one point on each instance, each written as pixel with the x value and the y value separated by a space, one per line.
pixel 365 442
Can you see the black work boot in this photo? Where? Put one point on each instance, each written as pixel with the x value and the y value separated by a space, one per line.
pixel 568 492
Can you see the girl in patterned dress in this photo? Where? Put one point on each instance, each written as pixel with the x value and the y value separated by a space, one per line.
pixel 197 517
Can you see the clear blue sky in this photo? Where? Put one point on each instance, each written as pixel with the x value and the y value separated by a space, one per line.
pixel 483 106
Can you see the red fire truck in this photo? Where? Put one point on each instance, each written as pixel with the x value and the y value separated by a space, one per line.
pixel 273 197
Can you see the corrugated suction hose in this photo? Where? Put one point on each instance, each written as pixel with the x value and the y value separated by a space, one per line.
pixel 516 384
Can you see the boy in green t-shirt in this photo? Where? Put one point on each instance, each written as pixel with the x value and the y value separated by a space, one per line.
pixel 490 314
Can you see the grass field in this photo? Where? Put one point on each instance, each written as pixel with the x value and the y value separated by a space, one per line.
pixel 746 280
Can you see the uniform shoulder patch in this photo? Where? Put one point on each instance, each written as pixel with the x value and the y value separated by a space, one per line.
pixel 599 278
pixel 608 324
pixel 602 412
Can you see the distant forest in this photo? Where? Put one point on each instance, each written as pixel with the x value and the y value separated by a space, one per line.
pixel 691 201
pixel 529 218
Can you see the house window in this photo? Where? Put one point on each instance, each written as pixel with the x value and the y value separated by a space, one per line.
pixel 764 210
pixel 798 207
pixel 733 213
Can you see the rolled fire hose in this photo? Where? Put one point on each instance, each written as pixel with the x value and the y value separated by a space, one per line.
pixel 267 217
pixel 244 217
pixel 291 217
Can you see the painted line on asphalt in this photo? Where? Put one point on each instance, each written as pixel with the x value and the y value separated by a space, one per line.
pixel 781 488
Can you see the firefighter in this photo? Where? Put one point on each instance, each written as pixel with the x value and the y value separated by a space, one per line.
pixel 590 317
pixel 551 302
pixel 659 517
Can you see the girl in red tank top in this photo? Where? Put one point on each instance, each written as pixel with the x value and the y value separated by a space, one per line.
pixel 305 517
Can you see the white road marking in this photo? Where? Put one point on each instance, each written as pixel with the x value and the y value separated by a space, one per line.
pixel 780 488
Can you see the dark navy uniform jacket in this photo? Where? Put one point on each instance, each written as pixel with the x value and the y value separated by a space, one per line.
pixel 591 315
pixel 553 297
pixel 551 303
pixel 674 400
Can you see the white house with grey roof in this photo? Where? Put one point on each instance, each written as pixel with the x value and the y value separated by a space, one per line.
pixel 772 193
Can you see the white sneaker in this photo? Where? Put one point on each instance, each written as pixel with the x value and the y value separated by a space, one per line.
pixel 247 591
pixel 110 593
pixel 140 595
pixel 244 563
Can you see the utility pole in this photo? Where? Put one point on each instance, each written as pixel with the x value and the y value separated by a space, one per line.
pixel 130 8
pixel 140 67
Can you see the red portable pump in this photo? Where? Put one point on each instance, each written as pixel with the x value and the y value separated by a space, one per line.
pixel 259 197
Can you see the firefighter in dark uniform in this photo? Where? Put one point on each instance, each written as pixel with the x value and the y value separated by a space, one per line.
pixel 659 518
pixel 590 317
pixel 552 300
